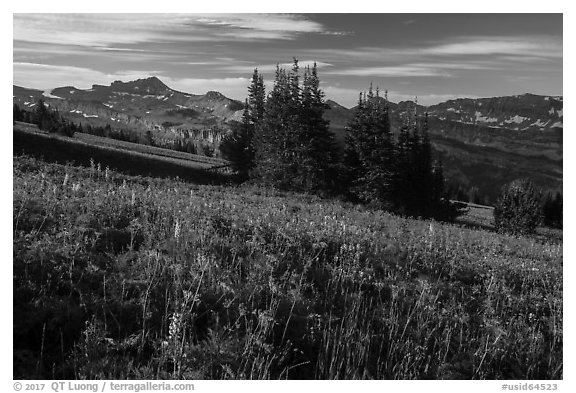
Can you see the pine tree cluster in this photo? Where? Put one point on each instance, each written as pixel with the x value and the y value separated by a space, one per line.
pixel 397 174
pixel 284 141
pixel 293 146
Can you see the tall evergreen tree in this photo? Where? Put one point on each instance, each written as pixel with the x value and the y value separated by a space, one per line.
pixel 316 148
pixel 270 135
pixel 352 169
pixel 370 150
pixel 238 145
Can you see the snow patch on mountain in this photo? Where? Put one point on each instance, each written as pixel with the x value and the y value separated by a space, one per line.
pixel 539 123
pixel 516 119
pixel 480 117
pixel 48 93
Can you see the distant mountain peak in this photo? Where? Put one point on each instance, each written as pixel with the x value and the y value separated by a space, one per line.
pixel 214 95
pixel 150 85
pixel 334 104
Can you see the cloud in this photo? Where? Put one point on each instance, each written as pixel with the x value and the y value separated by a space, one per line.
pixel 271 68
pixel 260 26
pixel 92 29
pixel 34 52
pixel 400 71
pixel 473 49
pixel 102 30
pixel 517 46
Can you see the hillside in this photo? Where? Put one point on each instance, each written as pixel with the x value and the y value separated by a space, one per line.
pixel 121 277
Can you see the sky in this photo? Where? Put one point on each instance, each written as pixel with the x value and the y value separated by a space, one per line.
pixel 434 57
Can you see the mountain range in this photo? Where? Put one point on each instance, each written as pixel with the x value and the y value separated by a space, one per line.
pixel 482 142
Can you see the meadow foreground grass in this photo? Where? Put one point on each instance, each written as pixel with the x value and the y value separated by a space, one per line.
pixel 129 277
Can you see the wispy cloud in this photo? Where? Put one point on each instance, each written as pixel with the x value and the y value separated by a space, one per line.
pixel 517 46
pixel 101 30
pixel 31 52
pixel 271 68
pixel 439 69
pixel 260 26
pixel 392 71
pixel 93 29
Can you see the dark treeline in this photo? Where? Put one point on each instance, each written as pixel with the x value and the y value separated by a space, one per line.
pixel 283 141
pixel 46 119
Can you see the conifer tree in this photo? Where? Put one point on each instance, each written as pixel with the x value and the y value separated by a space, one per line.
pixel 316 147
pixel 352 168
pixel 370 150
pixel 269 141
pixel 294 147
pixel 238 145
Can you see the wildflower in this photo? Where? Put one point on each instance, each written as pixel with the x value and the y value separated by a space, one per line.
pixel 65 180
pixel 177 230
pixel 175 326
pixel 133 201
pixel 107 173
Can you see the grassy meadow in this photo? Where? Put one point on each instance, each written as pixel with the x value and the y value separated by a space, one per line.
pixel 130 277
